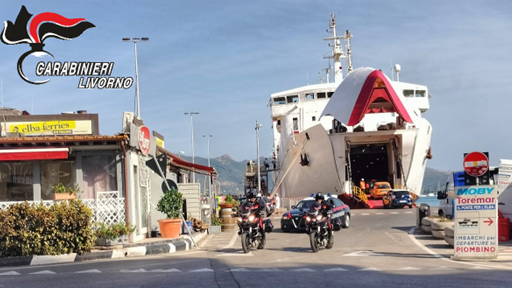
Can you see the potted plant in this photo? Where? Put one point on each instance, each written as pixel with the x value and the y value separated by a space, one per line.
pixel 60 192
pixel 113 234
pixel 215 228
pixel 229 202
pixel 170 204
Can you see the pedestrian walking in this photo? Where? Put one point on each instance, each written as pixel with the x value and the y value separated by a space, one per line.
pixel 278 203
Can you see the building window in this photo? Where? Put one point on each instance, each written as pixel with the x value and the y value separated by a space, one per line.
pixel 53 173
pixel 420 93
pixel 100 175
pixel 295 124
pixel 329 94
pixel 409 93
pixel 279 101
pixel 310 96
pixel 292 99
pixel 320 95
pixel 16 181
pixel 313 118
pixel 279 122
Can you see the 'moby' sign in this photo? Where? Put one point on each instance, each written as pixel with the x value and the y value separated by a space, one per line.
pixel 144 140
pixel 476 164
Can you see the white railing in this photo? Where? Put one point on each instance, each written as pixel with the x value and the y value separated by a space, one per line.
pixel 108 207
pixel 4 205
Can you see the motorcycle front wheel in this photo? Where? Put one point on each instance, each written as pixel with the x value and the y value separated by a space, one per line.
pixel 330 242
pixel 246 242
pixel 313 242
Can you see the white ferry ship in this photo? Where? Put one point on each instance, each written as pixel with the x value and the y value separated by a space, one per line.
pixel 329 136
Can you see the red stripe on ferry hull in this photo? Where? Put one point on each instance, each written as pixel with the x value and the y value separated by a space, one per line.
pixel 365 96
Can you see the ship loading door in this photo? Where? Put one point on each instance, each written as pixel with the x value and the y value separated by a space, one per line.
pixel 370 161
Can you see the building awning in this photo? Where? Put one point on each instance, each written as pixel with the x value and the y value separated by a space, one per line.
pixel 38 153
pixel 179 162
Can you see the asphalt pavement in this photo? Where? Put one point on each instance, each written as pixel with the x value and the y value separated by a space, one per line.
pixel 380 250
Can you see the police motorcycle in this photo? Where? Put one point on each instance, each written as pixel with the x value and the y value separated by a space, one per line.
pixel 252 226
pixel 319 227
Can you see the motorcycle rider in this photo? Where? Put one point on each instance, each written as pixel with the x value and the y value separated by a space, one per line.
pixel 261 211
pixel 325 208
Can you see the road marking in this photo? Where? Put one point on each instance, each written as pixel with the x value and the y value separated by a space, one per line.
pixel 202 270
pixel 480 268
pixel 232 242
pixel 269 270
pixel 443 268
pixel 303 270
pixel 379 213
pixel 10 273
pixel 408 212
pixel 134 271
pixel 363 253
pixel 43 272
pixel 365 214
pixel 393 213
pixel 370 269
pixel 335 270
pixel 238 270
pixel 89 271
pixel 165 270
pixel 239 253
pixel 408 268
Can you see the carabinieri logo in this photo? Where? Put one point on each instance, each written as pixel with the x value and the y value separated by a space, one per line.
pixel 46 25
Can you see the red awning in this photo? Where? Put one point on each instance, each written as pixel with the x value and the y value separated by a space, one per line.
pixel 38 153
pixel 187 165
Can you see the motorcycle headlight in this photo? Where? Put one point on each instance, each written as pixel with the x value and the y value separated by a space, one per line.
pixel 319 217
pixel 308 218
pixel 251 218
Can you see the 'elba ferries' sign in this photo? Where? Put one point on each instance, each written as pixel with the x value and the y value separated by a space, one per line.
pixel 48 128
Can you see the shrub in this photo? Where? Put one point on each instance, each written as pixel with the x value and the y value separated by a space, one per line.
pixel 27 230
pixel 171 204
pixel 216 221
pixel 113 231
pixel 229 199
pixel 61 189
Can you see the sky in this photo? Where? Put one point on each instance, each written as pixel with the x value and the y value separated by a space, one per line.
pixel 223 59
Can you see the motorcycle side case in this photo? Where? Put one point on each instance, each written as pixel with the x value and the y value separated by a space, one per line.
pixel 269 227
pixel 336 225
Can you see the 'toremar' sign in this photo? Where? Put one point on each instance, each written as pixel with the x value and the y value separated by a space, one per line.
pixel 476 223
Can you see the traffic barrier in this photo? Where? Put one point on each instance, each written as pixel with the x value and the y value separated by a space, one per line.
pixel 503 229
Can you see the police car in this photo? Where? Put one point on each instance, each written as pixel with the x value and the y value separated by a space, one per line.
pixel 294 221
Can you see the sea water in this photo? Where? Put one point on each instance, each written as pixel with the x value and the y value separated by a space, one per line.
pixel 432 201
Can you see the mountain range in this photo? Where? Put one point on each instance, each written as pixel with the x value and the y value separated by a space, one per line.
pixel 231 175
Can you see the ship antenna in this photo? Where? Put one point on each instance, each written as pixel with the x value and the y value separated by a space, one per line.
pixel 337 50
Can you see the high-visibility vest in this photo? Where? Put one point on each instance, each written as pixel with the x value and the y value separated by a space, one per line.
pixel 217 201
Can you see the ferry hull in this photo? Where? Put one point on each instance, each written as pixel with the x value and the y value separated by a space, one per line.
pixel 329 164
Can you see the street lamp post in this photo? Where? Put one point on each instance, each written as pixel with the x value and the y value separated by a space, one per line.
pixel 192 133
pixel 135 40
pixel 258 126
pixel 209 180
